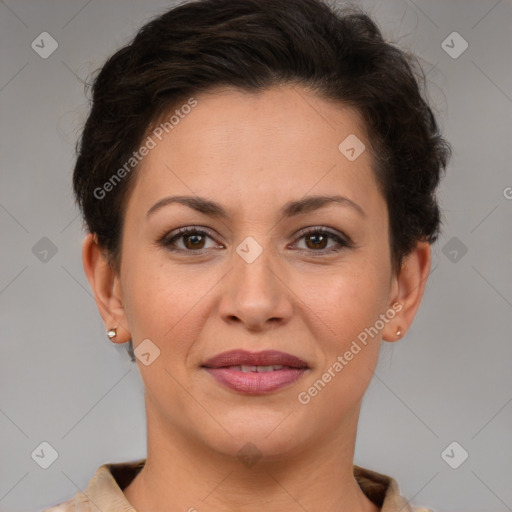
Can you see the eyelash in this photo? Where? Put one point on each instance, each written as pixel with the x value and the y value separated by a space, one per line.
pixel 168 239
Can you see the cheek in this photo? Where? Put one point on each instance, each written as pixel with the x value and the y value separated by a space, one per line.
pixel 165 306
pixel 345 308
pixel 165 302
pixel 350 297
pixel 348 307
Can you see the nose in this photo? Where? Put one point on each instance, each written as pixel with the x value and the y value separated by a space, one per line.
pixel 255 294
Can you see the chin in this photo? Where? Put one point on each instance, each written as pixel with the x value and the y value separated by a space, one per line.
pixel 271 434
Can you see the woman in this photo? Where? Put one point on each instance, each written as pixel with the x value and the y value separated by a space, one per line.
pixel 258 183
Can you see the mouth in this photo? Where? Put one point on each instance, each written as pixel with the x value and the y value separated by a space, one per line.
pixel 255 373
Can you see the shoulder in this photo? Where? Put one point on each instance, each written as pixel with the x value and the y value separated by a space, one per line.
pixel 72 505
pixel 65 506
pixel 383 490
pixel 104 491
pixel 62 507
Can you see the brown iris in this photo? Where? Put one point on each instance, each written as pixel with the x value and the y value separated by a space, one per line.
pixel 319 242
pixel 194 241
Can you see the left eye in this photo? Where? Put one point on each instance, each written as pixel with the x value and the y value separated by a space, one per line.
pixel 317 240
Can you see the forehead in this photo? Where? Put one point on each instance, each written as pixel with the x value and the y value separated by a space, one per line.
pixel 256 149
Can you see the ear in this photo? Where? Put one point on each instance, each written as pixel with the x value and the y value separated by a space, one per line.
pixel 105 284
pixel 407 290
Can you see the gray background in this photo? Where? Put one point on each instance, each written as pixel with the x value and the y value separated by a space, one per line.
pixel 449 379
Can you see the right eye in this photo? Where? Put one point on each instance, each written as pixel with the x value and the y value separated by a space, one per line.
pixel 189 239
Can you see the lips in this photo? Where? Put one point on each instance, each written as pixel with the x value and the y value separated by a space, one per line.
pixel 255 373
pixel 259 359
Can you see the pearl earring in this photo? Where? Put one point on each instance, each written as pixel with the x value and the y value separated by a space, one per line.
pixel 398 332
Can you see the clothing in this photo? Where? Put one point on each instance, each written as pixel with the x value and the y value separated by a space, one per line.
pixel 105 490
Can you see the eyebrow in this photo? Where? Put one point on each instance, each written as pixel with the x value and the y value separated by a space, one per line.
pixel 290 209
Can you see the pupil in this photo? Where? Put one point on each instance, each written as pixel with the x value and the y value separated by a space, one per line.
pixel 318 239
pixel 195 239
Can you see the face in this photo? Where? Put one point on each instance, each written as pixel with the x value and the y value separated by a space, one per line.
pixel 268 267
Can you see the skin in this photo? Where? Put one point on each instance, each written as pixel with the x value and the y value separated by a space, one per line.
pixel 252 153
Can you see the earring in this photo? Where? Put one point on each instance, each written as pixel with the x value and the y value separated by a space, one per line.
pixel 112 333
pixel 398 332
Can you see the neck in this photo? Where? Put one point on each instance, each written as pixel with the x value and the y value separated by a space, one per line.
pixel 182 474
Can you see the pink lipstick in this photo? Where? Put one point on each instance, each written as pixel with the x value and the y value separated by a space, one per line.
pixel 255 373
